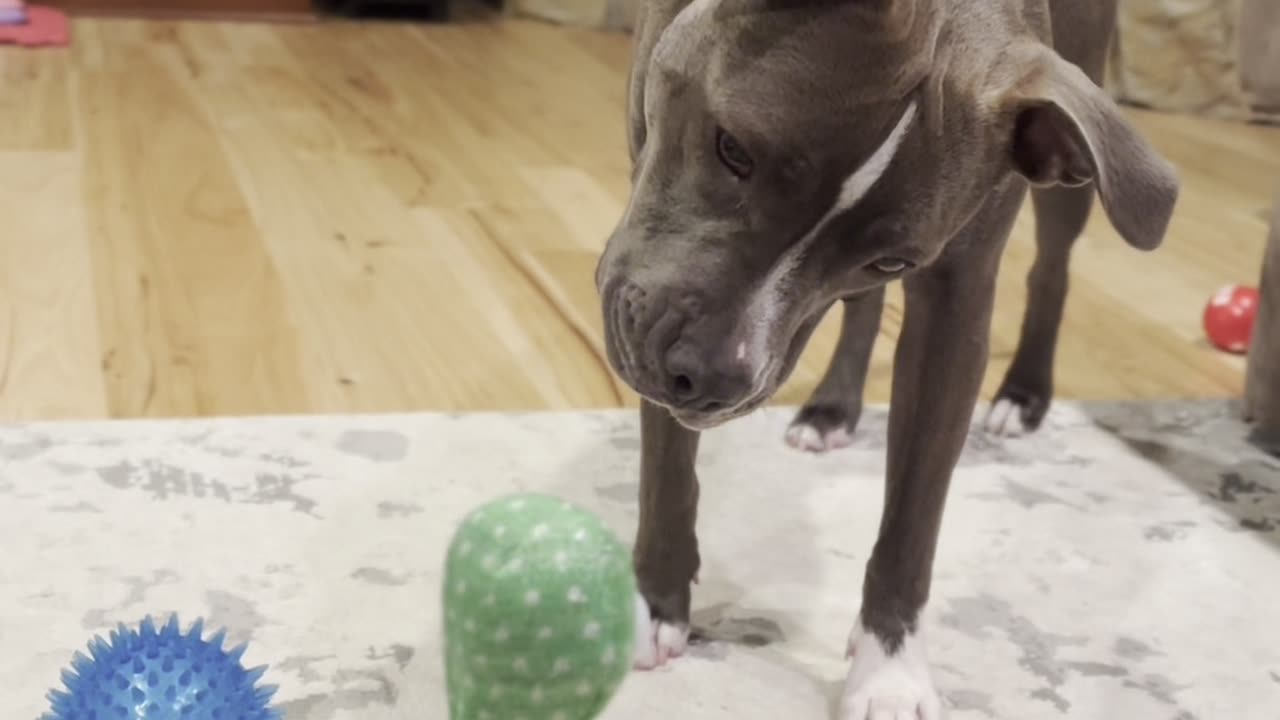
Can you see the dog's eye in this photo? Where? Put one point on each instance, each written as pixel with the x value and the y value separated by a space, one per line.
pixel 890 266
pixel 733 155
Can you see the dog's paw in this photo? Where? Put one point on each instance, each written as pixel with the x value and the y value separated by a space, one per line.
pixel 656 642
pixel 822 428
pixel 1015 413
pixel 1004 419
pixel 881 686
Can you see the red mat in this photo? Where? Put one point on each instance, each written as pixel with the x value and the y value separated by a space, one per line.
pixel 44 26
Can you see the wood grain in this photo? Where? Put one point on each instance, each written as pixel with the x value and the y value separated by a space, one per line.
pixel 229 218
pixel 49 344
pixel 219 9
pixel 192 313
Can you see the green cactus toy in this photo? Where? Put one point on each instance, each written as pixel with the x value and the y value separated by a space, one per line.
pixel 540 612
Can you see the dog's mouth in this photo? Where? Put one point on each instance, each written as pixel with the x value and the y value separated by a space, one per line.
pixel 777 368
pixel 703 420
pixel 708 415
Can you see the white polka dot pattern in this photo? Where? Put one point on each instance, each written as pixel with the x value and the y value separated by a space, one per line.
pixel 540 604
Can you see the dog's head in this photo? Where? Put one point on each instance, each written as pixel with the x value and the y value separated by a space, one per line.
pixel 788 154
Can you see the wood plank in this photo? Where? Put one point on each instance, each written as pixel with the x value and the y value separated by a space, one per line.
pixel 35 103
pixel 224 10
pixel 346 217
pixel 192 316
pixel 49 349
pixel 410 278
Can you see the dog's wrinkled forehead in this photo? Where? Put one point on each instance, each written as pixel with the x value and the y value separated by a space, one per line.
pixel 762 52
pixel 687 35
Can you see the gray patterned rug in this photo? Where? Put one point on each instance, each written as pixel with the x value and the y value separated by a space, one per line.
pixel 1122 563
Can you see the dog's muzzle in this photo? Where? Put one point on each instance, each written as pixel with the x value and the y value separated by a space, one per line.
pixel 660 345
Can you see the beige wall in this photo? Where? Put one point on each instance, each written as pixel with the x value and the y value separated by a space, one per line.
pixel 1178 55
pixel 1260 52
pixel 1208 57
pixel 609 14
pixel 1211 57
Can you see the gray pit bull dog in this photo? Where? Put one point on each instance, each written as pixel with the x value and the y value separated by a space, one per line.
pixel 791 155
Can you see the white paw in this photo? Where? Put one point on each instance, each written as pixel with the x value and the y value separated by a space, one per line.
pixel 1004 419
pixel 885 687
pixel 807 438
pixel 656 642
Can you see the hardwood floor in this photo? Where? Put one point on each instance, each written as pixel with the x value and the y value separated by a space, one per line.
pixel 207 218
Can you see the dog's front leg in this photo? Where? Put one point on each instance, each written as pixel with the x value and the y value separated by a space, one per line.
pixel 828 419
pixel 939 365
pixel 666 550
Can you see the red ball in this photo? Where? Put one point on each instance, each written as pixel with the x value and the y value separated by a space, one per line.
pixel 1229 316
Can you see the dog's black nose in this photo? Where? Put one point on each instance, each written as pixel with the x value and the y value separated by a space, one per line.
pixel 694 383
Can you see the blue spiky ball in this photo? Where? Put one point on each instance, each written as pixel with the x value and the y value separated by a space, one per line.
pixel 161 675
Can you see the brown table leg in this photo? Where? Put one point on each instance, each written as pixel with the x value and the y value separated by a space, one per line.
pixel 1262 384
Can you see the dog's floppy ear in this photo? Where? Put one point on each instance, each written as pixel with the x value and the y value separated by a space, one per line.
pixel 1064 130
